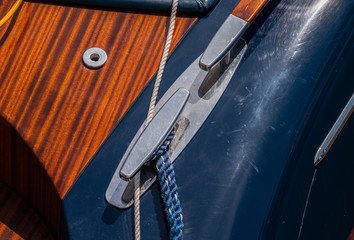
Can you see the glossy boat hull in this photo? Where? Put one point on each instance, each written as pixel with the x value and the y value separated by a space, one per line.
pixel 247 173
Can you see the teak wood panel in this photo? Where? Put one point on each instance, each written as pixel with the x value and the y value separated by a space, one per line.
pixel 21 170
pixel 351 235
pixel 61 109
pixel 17 220
pixel 249 9
pixel 7 233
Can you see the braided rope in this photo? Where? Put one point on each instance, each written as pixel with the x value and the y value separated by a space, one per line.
pixel 152 109
pixel 169 194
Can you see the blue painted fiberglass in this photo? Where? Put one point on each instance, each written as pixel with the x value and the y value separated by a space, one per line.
pixel 247 173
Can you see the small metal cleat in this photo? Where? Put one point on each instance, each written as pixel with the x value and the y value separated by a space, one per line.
pixel 185 106
pixel 225 38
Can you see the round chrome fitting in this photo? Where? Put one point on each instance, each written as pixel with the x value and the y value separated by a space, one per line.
pixel 94 58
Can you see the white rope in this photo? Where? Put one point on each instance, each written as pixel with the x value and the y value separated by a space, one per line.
pixel 166 49
pixel 137 205
pixel 150 115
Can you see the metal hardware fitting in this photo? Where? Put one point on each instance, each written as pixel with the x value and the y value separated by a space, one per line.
pixel 225 38
pixel 94 58
pixel 185 106
pixel 334 132
pixel 154 134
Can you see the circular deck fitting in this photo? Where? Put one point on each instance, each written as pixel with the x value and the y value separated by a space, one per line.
pixel 94 58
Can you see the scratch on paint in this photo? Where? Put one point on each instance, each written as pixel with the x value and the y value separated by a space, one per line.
pixel 307 201
pixel 255 167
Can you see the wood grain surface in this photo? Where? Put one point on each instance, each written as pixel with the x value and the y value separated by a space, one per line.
pixel 351 235
pixel 55 112
pixel 21 170
pixel 7 233
pixel 18 221
pixel 249 9
pixel 62 109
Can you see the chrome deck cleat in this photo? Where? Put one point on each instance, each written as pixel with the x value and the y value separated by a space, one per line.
pixel 185 106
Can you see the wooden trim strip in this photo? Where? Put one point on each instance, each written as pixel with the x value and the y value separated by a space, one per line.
pixel 249 9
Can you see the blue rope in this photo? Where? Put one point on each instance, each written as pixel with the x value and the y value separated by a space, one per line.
pixel 168 186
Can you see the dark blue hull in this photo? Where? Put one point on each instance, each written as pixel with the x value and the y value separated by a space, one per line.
pixel 248 173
